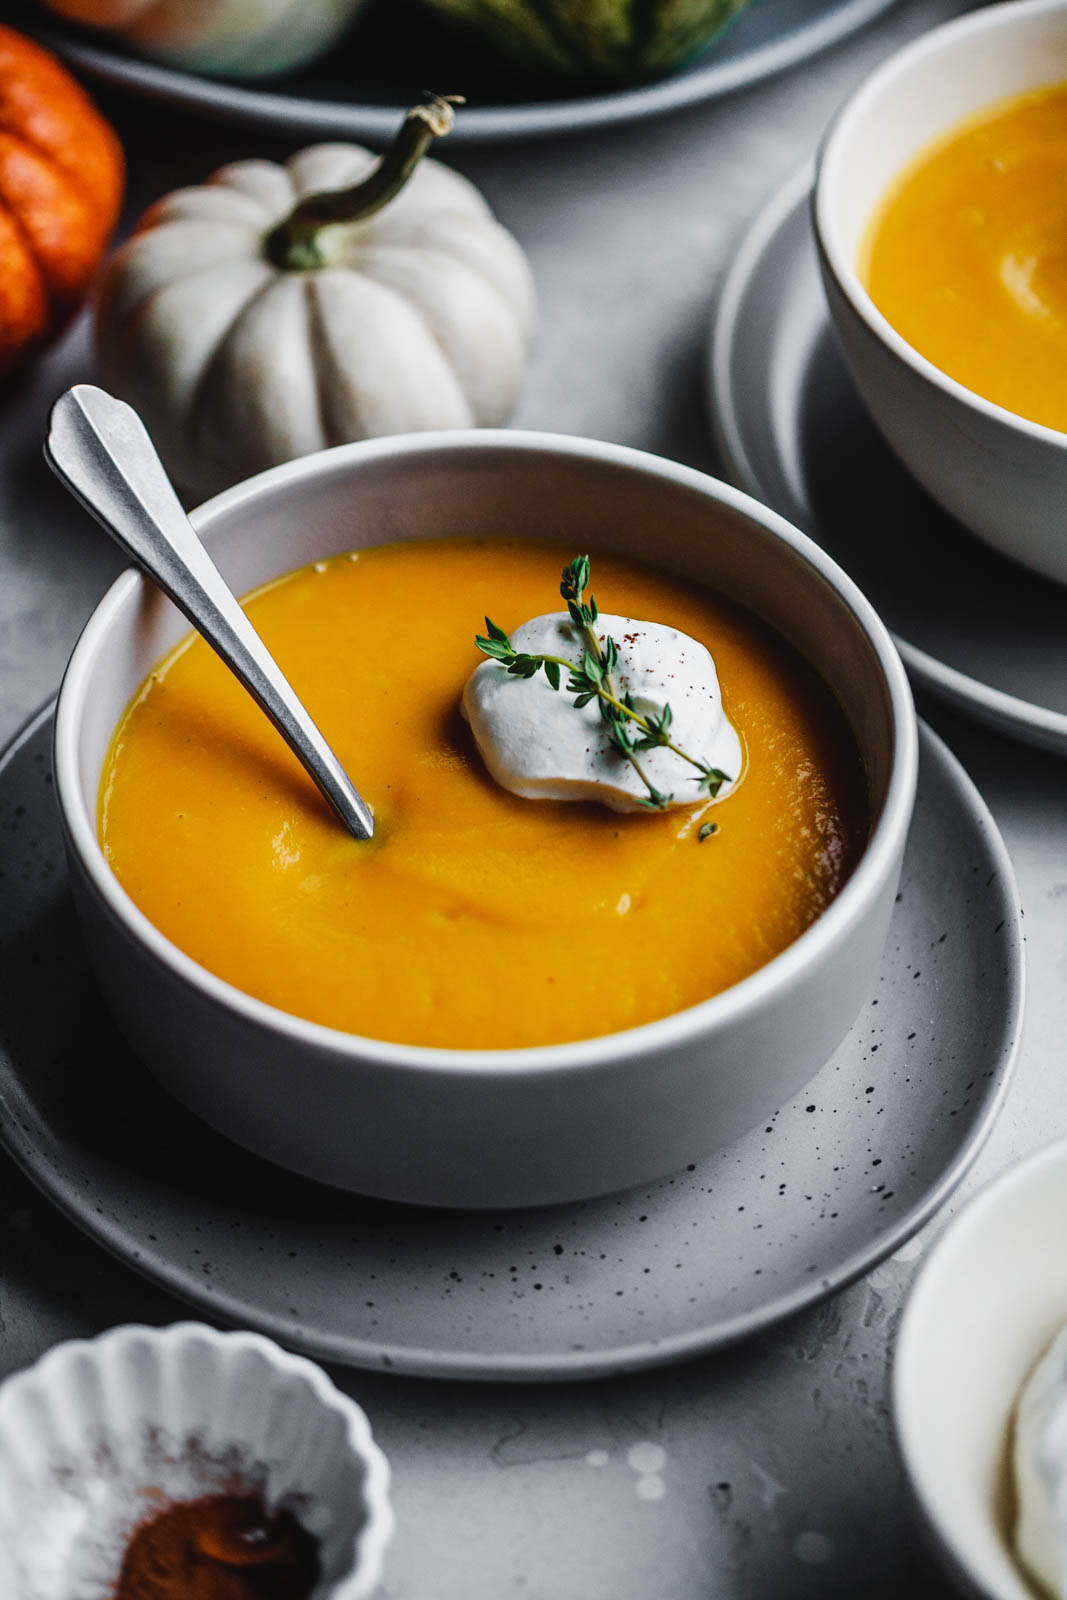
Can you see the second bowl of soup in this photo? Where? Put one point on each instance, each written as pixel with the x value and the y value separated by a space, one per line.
pixel 939 218
pixel 500 999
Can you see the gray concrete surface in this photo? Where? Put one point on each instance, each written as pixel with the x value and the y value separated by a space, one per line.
pixel 769 1471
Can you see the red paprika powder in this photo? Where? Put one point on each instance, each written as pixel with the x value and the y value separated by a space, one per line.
pixel 221 1547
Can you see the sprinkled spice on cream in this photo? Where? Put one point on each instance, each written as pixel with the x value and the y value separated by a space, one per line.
pixel 536 743
pixel 646 728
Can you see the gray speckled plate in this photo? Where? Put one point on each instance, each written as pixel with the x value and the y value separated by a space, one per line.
pixel 973 627
pixel 366 83
pixel 832 1183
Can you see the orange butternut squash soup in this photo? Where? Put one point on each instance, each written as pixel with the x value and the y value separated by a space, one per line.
pixel 474 918
pixel 967 255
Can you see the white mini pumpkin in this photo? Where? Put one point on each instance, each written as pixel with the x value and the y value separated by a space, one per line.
pixel 415 317
pixel 238 38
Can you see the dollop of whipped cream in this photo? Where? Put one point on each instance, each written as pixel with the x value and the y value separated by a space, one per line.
pixel 535 742
pixel 1040 1462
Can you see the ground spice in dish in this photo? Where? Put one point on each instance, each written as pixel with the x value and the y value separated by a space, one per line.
pixel 221 1547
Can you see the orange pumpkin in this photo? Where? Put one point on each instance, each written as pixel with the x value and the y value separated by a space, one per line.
pixel 61 181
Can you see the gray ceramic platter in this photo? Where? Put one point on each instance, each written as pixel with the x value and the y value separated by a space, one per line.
pixel 973 627
pixel 827 1187
pixel 361 88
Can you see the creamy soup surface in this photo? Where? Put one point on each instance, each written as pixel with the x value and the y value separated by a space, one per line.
pixel 967 255
pixel 474 918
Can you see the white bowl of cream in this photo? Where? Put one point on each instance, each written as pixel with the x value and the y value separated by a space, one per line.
pixel 976 1338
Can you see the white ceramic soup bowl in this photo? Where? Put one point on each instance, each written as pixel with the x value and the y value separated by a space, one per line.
pixel 986 1305
pixel 1003 477
pixel 495 1127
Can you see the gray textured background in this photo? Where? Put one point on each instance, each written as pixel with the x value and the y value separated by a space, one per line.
pixel 772 1470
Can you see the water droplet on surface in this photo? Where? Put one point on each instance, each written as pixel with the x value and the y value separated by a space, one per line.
pixel 646 1457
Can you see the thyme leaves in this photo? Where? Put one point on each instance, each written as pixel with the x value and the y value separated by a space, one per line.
pixel 630 732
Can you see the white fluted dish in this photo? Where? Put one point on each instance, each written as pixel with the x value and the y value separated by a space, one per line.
pixel 95 1435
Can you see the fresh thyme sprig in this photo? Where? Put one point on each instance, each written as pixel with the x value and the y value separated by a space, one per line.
pixel 630 732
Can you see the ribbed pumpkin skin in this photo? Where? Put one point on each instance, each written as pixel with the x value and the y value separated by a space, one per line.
pixel 418 317
pixel 595 41
pixel 61 180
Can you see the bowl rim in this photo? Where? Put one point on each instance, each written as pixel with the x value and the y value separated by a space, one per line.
pixel 907 1358
pixel 379 1524
pixel 831 155
pixel 972 697
pixel 604 1051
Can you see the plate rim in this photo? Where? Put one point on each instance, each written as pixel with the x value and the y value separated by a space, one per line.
pixel 63 1190
pixel 999 708
pixel 836 20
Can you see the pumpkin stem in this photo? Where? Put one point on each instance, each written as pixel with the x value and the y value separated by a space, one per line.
pixel 293 244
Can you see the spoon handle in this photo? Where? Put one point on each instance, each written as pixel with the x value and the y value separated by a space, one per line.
pixel 99 447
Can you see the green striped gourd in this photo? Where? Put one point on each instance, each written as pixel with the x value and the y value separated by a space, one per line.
pixel 595 41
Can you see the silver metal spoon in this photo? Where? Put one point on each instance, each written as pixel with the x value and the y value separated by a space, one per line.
pixel 99 447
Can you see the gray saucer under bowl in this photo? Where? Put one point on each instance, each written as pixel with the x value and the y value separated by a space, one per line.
pixel 981 632
pixel 828 1186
